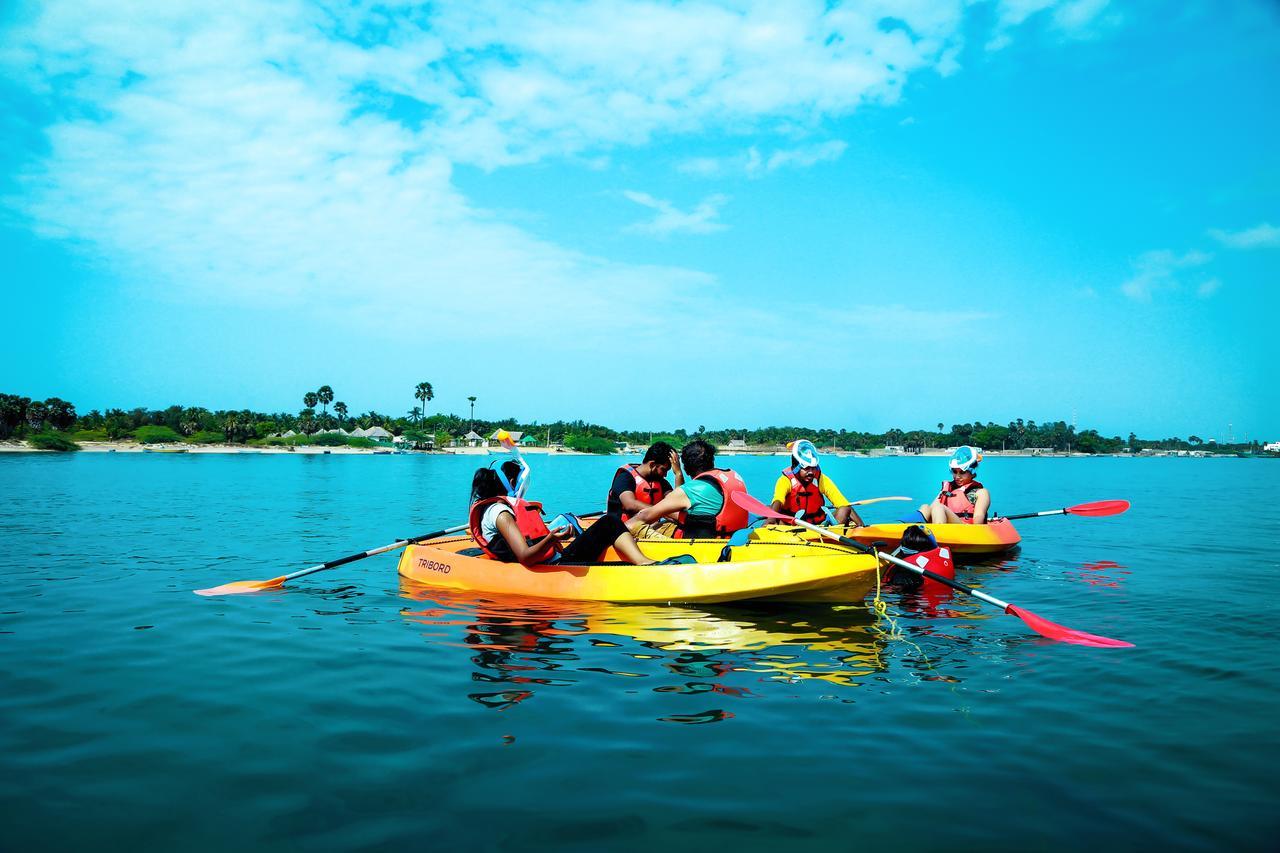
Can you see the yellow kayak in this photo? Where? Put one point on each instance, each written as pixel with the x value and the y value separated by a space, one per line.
pixel 792 570
pixel 978 540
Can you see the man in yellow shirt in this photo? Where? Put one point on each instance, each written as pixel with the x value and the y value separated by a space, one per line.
pixel 803 488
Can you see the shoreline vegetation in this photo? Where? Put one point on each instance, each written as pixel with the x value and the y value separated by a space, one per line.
pixel 54 425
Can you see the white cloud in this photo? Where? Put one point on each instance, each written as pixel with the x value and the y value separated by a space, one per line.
pixel 1070 19
pixel 1157 272
pixel 1208 288
pixel 1263 236
pixel 303 154
pixel 754 164
pixel 806 156
pixel 671 220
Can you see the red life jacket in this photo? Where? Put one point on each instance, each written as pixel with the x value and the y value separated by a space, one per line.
pixel 960 501
pixel 804 498
pixel 730 518
pixel 646 491
pixel 528 519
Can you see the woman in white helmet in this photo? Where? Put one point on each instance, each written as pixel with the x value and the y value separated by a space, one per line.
pixel 962 500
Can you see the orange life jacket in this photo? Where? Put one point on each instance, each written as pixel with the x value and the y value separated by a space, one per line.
pixel 730 518
pixel 806 498
pixel 960 501
pixel 646 491
pixel 528 519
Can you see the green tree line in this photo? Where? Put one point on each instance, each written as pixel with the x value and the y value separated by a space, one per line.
pixel 22 417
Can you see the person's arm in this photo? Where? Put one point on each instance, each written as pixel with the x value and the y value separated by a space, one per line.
pixel 676 473
pixel 630 504
pixel 675 502
pixel 528 555
pixel 980 506
pixel 780 490
pixel 844 508
pixel 624 487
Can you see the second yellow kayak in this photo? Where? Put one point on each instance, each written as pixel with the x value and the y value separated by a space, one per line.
pixel 978 540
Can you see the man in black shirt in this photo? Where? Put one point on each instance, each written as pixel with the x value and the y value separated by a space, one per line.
pixel 638 486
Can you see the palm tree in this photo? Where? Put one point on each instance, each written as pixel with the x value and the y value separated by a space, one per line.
pixel 325 396
pixel 424 393
pixel 310 399
pixel 341 408
pixel 229 424
pixel 37 412
pixel 473 413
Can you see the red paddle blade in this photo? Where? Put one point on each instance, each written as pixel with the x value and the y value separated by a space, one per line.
pixel 755 507
pixel 1099 508
pixel 1054 631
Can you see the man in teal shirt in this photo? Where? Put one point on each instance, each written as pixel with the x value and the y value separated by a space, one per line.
pixel 703 501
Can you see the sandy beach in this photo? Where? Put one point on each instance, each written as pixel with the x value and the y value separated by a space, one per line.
pixel 133 447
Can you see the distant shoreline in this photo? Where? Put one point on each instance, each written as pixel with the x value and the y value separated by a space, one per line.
pixel 317 450
pixel 304 450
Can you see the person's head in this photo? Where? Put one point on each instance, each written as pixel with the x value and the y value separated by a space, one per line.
pixel 658 457
pixel 964 463
pixel 804 460
pixel 485 484
pixel 698 456
pixel 511 470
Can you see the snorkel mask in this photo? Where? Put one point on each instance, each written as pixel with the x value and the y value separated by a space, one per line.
pixel 966 458
pixel 803 454
pixel 521 484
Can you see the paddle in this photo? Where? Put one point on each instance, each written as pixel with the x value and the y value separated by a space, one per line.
pixel 236 587
pixel 1040 625
pixel 1095 509
pixel 866 501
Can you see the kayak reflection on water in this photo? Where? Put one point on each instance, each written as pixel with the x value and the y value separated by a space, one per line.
pixel 523 647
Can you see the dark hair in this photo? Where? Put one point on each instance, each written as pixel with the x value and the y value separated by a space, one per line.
pixel 511 470
pixel 485 484
pixel 916 538
pixel 660 451
pixel 698 456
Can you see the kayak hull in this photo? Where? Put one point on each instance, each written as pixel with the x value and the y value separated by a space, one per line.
pixel 799 571
pixel 974 540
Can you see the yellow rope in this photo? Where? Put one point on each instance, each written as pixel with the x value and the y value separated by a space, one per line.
pixel 881 611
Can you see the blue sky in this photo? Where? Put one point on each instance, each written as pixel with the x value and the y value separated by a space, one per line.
pixel 649 214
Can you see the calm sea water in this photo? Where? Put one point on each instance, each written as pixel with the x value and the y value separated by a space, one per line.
pixel 351 712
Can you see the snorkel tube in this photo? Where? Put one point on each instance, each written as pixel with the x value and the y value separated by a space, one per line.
pixel 522 481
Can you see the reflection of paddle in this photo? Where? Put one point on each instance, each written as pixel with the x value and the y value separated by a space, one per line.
pixel 1097 508
pixel 257 586
pixel 1041 626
